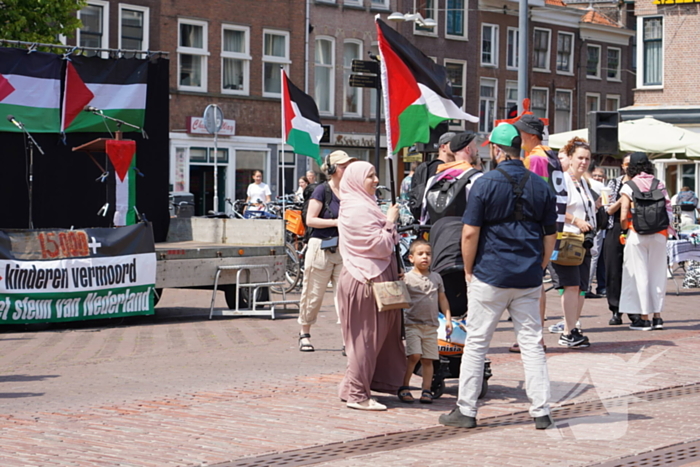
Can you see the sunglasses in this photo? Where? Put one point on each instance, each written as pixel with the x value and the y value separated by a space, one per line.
pixel 581 144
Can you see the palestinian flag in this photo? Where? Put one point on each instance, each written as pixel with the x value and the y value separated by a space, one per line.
pixel 417 92
pixel 302 124
pixel 116 87
pixel 30 90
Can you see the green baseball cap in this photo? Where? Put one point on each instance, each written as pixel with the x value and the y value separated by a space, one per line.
pixel 504 134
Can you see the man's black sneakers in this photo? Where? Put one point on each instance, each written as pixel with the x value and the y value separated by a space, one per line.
pixel 657 323
pixel 543 422
pixel 455 418
pixel 616 319
pixel 574 339
pixel 641 325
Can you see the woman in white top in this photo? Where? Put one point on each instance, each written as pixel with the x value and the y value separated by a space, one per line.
pixel 299 194
pixel 580 218
pixel 258 192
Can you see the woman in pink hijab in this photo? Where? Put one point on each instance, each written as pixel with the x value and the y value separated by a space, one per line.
pixel 376 355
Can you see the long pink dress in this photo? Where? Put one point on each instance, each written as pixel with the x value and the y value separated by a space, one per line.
pixel 376 355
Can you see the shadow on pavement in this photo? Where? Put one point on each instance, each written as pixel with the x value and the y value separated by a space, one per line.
pixel 17 395
pixel 25 378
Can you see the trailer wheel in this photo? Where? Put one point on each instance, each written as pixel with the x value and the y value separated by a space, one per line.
pixel 244 301
pixel 156 296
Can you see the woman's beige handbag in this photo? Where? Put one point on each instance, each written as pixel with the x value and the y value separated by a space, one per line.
pixel 571 251
pixel 391 295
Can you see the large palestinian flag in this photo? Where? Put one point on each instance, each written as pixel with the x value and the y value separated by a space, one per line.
pixel 30 90
pixel 302 124
pixel 116 87
pixel 417 92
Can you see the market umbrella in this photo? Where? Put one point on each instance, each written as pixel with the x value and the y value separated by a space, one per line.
pixel 646 135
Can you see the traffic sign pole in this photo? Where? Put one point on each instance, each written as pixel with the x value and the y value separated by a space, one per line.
pixel 213 120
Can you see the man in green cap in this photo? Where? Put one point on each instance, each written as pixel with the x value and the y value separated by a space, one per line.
pixel 509 225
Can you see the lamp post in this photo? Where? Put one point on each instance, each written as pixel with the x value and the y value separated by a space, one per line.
pixel 522 53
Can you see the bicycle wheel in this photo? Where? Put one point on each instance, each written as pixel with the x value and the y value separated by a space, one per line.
pixel 292 270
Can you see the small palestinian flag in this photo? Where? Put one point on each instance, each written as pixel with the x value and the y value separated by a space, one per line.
pixel 30 90
pixel 116 87
pixel 417 92
pixel 302 124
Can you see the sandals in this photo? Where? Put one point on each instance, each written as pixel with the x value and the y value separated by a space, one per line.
pixel 405 395
pixel 305 347
pixel 426 397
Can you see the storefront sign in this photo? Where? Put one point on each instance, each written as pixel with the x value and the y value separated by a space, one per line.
pixel 674 2
pixel 195 125
pixel 72 275
pixel 362 141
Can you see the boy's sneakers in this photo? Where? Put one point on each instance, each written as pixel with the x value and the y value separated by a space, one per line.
pixel 559 327
pixel 657 323
pixel 574 339
pixel 641 325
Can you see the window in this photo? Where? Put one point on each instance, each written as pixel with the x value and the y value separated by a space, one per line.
pixel 612 103
pixel 353 2
pixel 381 4
pixel 324 75
pixel 95 30
pixel 487 104
pixel 613 68
pixel 592 102
pixel 192 55
pixel 538 102
pixel 427 10
pixel 512 44
pixel 652 51
pixel 565 52
pixel 457 76
pixel 455 19
pixel 541 49
pixel 133 27
pixel 352 102
pixel 511 99
pixel 275 53
pixel 489 45
pixel 562 110
pixel 235 60
pixel 593 61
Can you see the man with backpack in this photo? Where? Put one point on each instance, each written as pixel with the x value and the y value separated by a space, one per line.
pixel 688 202
pixel 508 236
pixel 426 170
pixel 646 211
pixel 444 204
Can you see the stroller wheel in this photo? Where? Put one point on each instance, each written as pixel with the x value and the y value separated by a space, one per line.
pixel 484 388
pixel 437 388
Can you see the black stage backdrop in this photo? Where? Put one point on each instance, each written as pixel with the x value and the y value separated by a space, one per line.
pixel 65 191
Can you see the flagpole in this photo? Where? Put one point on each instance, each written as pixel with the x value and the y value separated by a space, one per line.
pixel 283 85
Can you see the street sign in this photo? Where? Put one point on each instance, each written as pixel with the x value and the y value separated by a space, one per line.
pixel 364 81
pixel 365 66
pixel 213 118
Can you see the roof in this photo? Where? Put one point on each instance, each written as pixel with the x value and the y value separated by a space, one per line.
pixel 555 2
pixel 594 17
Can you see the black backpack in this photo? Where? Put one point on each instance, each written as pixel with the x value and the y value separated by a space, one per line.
pixel 327 198
pixel 415 196
pixel 649 215
pixel 447 197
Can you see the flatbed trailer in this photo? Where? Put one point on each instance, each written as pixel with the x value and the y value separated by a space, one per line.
pixel 243 251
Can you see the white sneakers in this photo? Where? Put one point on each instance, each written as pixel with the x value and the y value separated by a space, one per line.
pixel 559 327
pixel 369 404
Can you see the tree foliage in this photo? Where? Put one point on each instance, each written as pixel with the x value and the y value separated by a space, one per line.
pixel 39 20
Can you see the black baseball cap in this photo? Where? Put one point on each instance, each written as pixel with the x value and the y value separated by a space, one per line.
pixel 462 140
pixel 531 124
pixel 638 158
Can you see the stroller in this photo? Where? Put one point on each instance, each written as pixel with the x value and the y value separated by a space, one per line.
pixel 450 350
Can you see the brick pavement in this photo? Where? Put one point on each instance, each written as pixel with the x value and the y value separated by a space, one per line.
pixel 164 391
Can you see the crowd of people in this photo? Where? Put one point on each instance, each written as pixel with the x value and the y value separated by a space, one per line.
pixel 539 212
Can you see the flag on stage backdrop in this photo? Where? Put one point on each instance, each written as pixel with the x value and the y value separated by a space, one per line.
pixel 116 87
pixel 417 92
pixel 121 155
pixel 302 124
pixel 30 90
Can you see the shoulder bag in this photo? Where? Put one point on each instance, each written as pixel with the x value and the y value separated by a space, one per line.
pixel 391 295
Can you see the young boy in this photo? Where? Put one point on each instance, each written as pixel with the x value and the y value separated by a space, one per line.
pixel 421 320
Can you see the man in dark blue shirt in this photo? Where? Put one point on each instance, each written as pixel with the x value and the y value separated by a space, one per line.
pixel 508 236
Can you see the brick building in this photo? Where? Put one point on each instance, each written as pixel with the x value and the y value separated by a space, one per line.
pixel 222 52
pixel 668 60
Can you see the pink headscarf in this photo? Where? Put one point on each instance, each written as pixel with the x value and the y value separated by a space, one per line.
pixel 366 238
